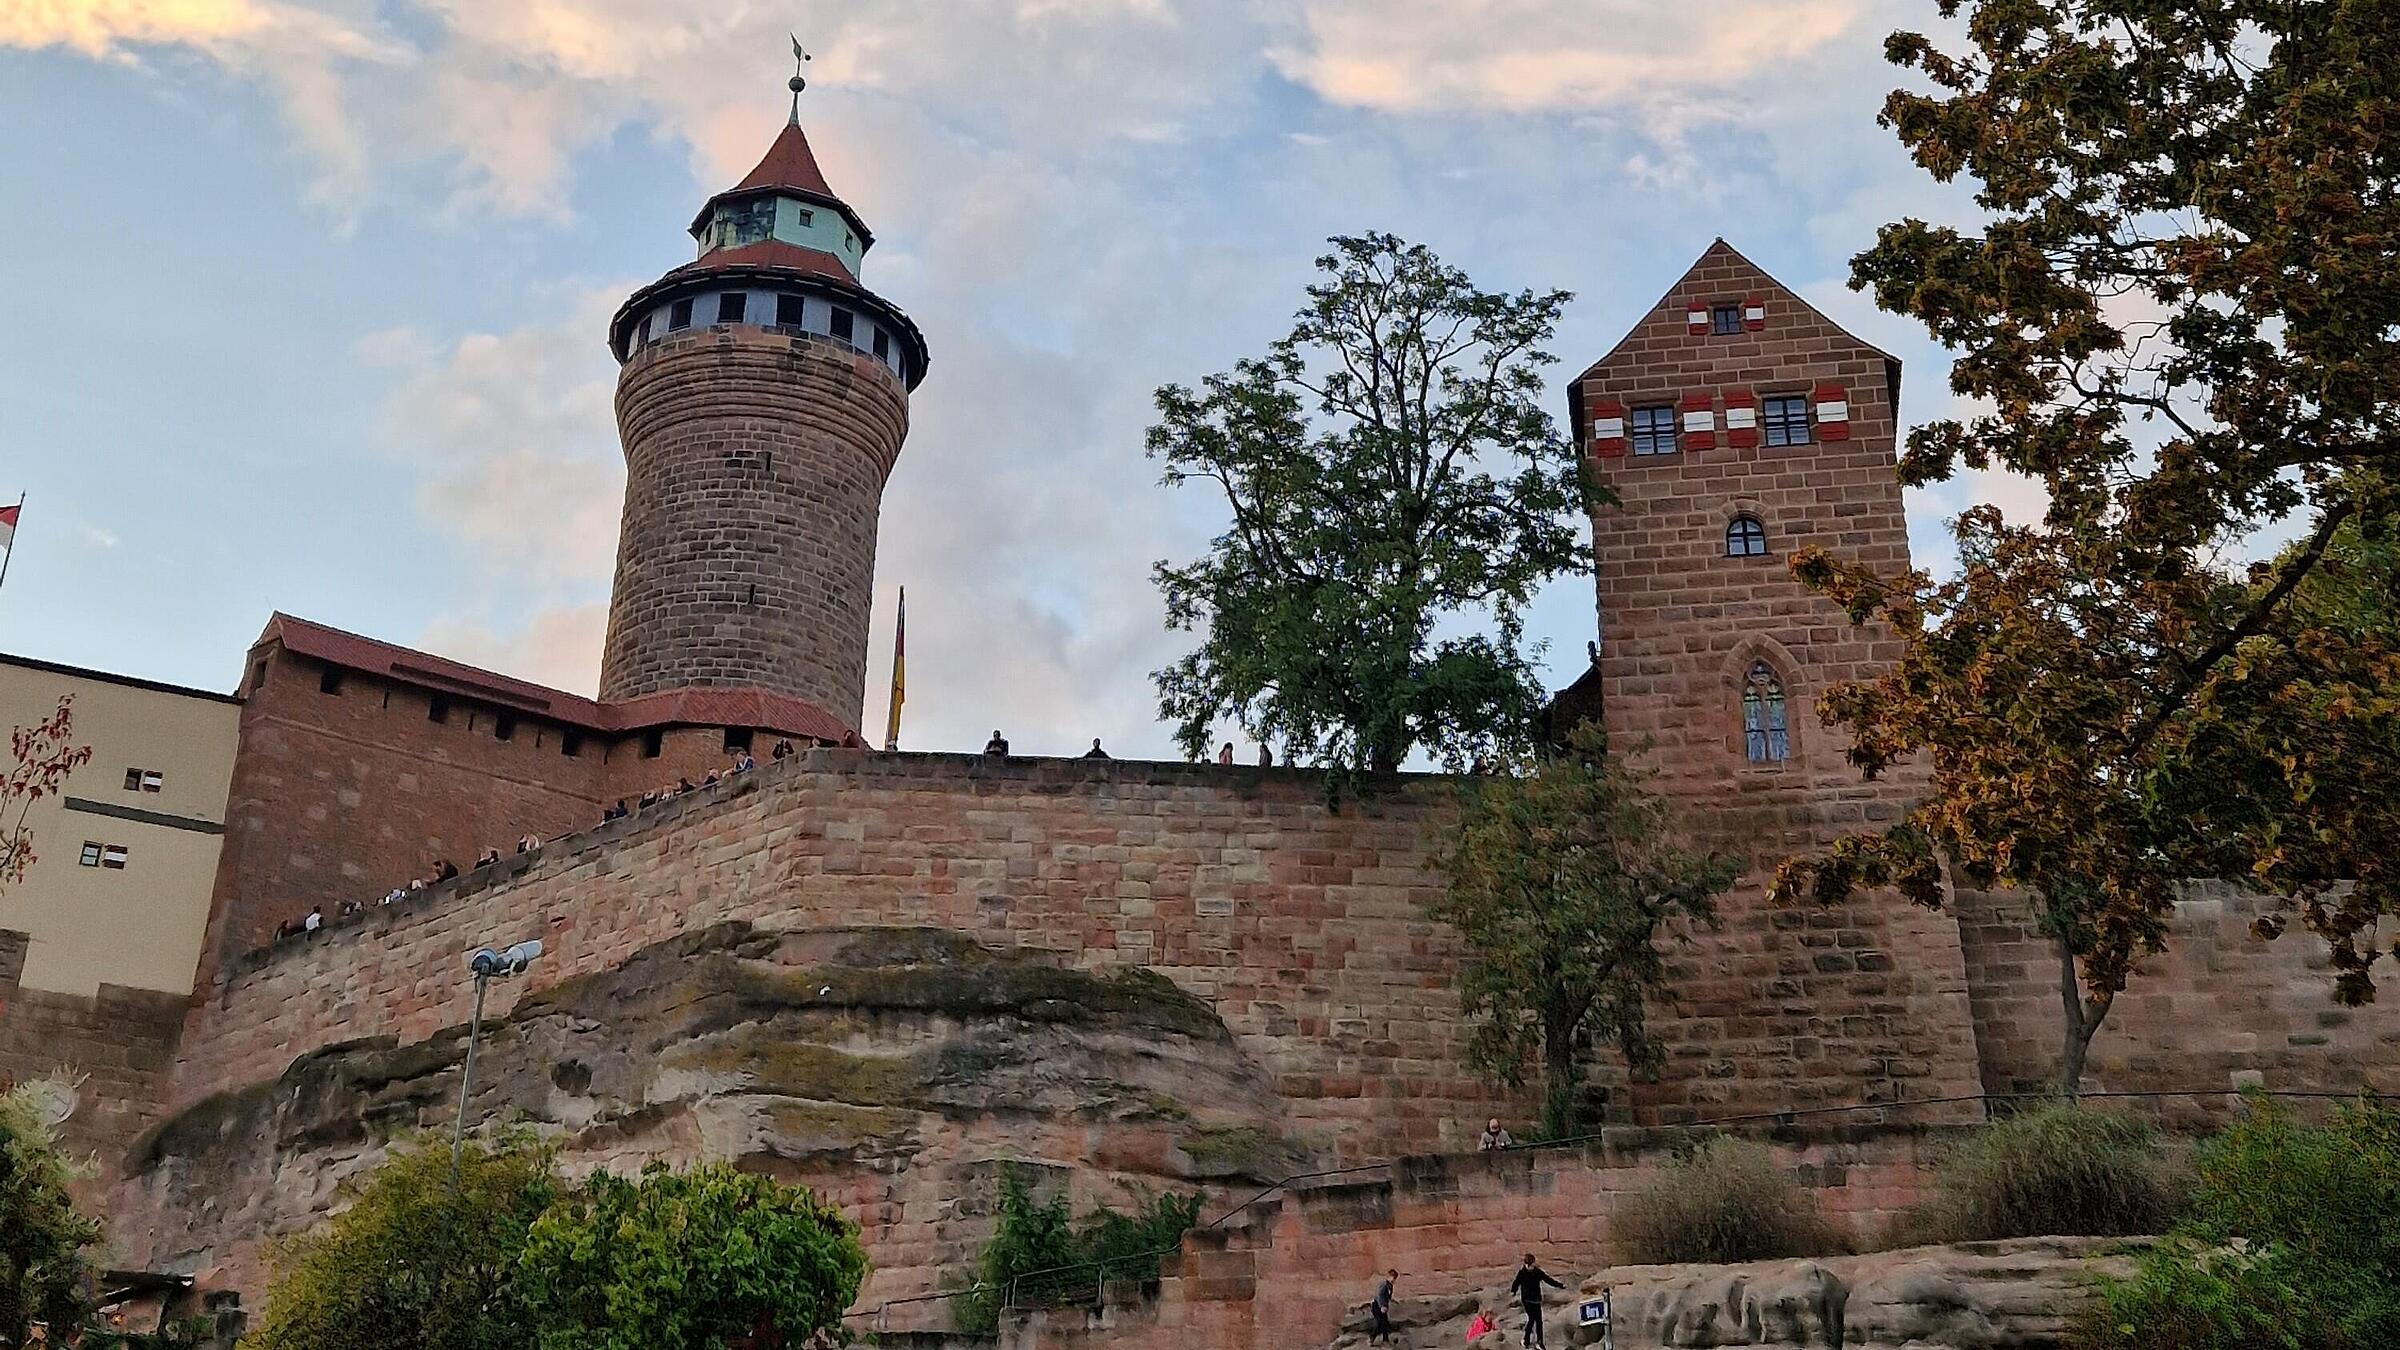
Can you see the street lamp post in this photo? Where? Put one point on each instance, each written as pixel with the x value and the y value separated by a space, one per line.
pixel 486 965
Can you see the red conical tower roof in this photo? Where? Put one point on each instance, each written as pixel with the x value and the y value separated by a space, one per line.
pixel 789 164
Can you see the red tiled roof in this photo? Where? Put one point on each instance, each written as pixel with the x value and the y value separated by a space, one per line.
pixel 770 253
pixel 759 708
pixel 789 164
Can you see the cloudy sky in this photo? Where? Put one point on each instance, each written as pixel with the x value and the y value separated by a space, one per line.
pixel 309 295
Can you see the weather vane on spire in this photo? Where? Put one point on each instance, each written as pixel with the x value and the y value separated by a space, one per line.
pixel 800 60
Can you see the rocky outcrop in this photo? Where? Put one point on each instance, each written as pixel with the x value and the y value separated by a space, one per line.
pixel 901 1072
pixel 2016 1295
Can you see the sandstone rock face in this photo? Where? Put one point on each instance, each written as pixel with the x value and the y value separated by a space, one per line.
pixel 900 1072
pixel 2016 1295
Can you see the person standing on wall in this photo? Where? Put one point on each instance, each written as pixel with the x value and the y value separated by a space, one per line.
pixel 1528 1289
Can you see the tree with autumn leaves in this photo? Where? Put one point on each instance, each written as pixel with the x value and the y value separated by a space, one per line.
pixel 41 757
pixel 2181 317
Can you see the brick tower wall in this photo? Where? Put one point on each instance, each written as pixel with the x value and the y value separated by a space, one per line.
pixel 1771 1000
pixel 755 469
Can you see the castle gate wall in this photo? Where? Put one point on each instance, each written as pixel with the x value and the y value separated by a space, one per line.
pixel 116 1046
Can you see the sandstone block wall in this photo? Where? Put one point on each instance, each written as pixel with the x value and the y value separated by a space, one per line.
pixel 2220 1010
pixel 118 1045
pixel 755 468
pixel 1295 1265
pixel 344 795
pixel 1867 1000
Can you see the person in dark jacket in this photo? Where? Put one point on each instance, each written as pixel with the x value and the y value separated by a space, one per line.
pixel 1382 1309
pixel 1528 1289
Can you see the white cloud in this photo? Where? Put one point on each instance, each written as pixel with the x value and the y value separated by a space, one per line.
pixel 559 647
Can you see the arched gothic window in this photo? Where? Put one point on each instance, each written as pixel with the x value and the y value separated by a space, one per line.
pixel 1763 728
pixel 1745 538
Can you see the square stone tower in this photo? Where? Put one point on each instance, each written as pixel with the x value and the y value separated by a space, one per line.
pixel 1736 424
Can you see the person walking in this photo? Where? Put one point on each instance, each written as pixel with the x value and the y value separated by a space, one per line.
pixel 1381 1308
pixel 1528 1289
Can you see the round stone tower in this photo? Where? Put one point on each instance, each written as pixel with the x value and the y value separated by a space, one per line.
pixel 762 402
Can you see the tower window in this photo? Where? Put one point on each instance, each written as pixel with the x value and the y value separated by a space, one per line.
pixel 258 677
pixel 504 728
pixel 570 743
pixel 1725 319
pixel 437 709
pixel 883 345
pixel 329 680
pixel 679 315
pixel 1653 430
pixel 654 743
pixel 845 324
pixel 144 780
pixel 746 224
pixel 1784 417
pixel 730 306
pixel 1745 538
pixel 737 739
pixel 807 218
pixel 790 311
pixel 1763 729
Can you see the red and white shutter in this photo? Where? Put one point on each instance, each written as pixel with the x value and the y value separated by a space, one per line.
pixel 1698 417
pixel 1741 418
pixel 1608 428
pixel 1696 316
pixel 1833 412
pixel 1754 313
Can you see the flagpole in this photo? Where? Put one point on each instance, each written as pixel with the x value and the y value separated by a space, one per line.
pixel 10 556
pixel 891 729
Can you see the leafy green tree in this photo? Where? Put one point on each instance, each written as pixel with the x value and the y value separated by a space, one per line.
pixel 1560 881
pixel 1390 472
pixel 1039 1255
pixel 704 1259
pixel 2178 317
pixel 414 1264
pixel 45 1245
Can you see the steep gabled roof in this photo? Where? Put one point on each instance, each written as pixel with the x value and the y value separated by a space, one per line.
pixel 740 707
pixel 1665 318
pixel 790 167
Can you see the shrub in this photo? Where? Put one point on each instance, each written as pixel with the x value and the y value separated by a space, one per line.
pixel 1724 1201
pixel 2058 1171
pixel 1039 1256
pixel 2289 1242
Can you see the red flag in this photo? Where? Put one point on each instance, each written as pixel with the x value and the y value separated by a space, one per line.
pixel 8 523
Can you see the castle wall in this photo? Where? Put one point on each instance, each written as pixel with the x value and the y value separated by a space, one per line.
pixel 1810 1007
pixel 116 1044
pixel 1300 1263
pixel 343 795
pixel 2220 1010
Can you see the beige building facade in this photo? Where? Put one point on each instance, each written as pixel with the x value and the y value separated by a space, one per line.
pixel 126 859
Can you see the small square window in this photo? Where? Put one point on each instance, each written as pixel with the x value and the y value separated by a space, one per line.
pixel 258 677
pixel 844 323
pixel 112 856
pixel 849 240
pixel 437 709
pixel 329 680
pixel 737 738
pixel 1784 419
pixel 1724 319
pixel 570 743
pixel 790 311
pixel 1745 538
pixel 679 315
pixel 1653 430
pixel 153 780
pixel 731 305
pixel 91 854
pixel 504 728
pixel 807 218
pixel 654 743
pixel 133 780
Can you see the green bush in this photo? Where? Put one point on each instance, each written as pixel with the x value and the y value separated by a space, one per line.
pixel 2292 1240
pixel 1723 1201
pixel 2059 1171
pixel 1040 1257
